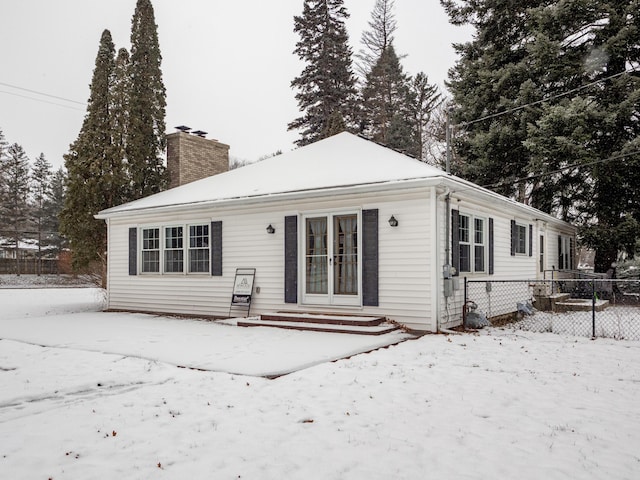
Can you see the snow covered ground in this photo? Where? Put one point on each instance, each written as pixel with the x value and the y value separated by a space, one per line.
pixel 500 404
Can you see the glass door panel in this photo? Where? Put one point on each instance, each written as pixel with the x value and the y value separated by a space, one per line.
pixel 345 254
pixel 316 256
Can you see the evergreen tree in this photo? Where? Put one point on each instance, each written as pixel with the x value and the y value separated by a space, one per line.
pixel 573 54
pixel 120 109
pixel 386 99
pixel 326 86
pixel 3 178
pixel 494 74
pixel 53 205
pixel 147 101
pixel 89 164
pixel 14 208
pixel 424 98
pixel 382 26
pixel 40 189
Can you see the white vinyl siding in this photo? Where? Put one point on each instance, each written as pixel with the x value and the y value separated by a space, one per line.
pixel 404 260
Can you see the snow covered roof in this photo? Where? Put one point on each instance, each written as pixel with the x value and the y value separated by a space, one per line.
pixel 343 160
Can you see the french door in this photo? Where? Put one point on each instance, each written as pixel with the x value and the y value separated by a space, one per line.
pixel 331 262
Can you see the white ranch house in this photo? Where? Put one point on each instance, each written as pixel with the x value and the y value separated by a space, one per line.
pixel 341 226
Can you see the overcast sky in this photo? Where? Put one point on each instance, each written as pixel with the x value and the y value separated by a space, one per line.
pixel 227 65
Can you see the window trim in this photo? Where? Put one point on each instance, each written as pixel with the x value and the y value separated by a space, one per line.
pixel 186 248
pixel 566 250
pixel 189 248
pixel 524 228
pixel 143 250
pixel 472 244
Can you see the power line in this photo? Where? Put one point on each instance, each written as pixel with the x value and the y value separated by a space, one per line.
pixel 41 93
pixel 537 102
pixel 560 170
pixel 41 100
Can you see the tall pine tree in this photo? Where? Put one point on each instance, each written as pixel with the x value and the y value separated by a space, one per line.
pixel 385 103
pixel 326 87
pixel 3 177
pixel 121 114
pixel 90 163
pixel 382 27
pixel 147 101
pixel 40 189
pixel 53 205
pixel 573 55
pixel 14 208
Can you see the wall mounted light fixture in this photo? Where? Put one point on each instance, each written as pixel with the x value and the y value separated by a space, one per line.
pixel 393 222
pixel 270 229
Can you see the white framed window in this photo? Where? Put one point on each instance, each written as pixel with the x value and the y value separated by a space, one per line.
pixel 520 239
pixel 565 252
pixel 151 250
pixel 173 249
pixel 472 236
pixel 199 248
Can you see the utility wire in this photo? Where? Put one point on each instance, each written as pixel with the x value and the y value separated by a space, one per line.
pixel 42 93
pixel 575 165
pixel 41 101
pixel 537 102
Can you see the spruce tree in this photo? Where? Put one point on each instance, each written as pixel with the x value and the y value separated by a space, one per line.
pixel 89 164
pixel 424 98
pixel 382 27
pixel 40 189
pixel 147 101
pixel 386 98
pixel 571 56
pixel 120 110
pixel 326 86
pixel 14 208
pixel 3 179
pixel 53 205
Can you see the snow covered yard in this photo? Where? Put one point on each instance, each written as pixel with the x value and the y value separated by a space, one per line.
pixel 617 321
pixel 500 404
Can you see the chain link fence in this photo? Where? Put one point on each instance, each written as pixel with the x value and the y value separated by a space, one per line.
pixel 608 308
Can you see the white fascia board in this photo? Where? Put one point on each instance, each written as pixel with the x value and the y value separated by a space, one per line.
pixel 286 196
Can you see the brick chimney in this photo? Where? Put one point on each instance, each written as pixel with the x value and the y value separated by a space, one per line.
pixel 191 157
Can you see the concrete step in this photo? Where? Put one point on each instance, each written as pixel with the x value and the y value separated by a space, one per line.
pixel 580 305
pixel 358 325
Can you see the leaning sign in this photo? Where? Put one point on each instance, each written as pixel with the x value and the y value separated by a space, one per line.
pixel 243 288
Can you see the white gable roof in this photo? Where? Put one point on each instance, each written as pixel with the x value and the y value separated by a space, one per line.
pixel 340 161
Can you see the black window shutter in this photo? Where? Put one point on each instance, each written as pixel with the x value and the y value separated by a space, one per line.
pixel 370 258
pixel 216 249
pixel 455 241
pixel 560 257
pixel 291 259
pixel 530 240
pixel 513 237
pixel 133 251
pixel 491 244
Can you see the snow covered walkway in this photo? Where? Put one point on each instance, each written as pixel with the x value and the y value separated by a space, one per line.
pixel 45 317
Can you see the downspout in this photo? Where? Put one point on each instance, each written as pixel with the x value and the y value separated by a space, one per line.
pixel 447 249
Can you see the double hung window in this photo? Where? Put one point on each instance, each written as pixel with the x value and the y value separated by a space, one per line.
pixel 198 248
pixel 176 249
pixel 520 240
pixel 150 250
pixel 472 240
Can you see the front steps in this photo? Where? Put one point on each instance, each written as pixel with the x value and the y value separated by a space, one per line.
pixel 563 303
pixel 317 322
